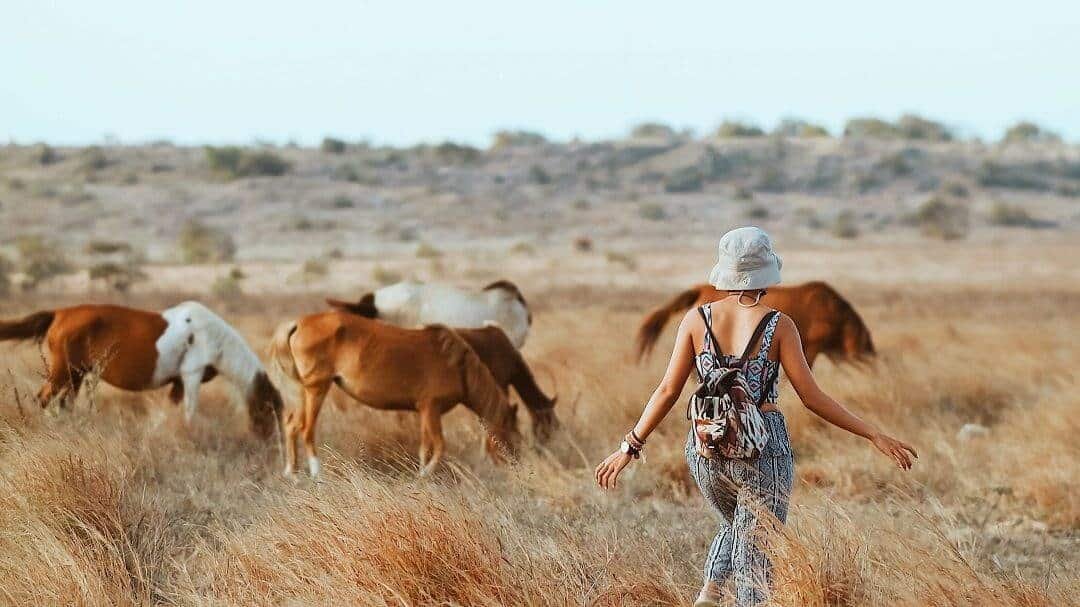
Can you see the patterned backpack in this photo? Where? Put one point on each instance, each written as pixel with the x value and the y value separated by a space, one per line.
pixel 726 421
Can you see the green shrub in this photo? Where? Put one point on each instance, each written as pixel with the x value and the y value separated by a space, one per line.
pixel 937 218
pixel 758 212
pixel 200 243
pixel 894 165
pixel 45 154
pixel 1029 132
pixel 510 138
pixel 955 189
pixel 107 247
pixel 426 251
pixel 228 286
pixel 845 226
pixel 342 201
pixel 538 175
pixel 872 128
pixel 795 127
pixel 653 130
pixel 652 211
pixel 991 174
pixel 117 276
pixel 332 146
pixel 623 259
pixel 41 260
pixel 449 152
pixel 233 161
pixel 94 159
pixel 1012 216
pixel 912 126
pixel 734 128
pixel 771 179
pixel 743 194
pixel 382 276
pixel 686 179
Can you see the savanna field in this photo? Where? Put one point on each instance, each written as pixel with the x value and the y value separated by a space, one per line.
pixel 117 502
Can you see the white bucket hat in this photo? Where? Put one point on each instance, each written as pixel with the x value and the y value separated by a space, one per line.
pixel 746 261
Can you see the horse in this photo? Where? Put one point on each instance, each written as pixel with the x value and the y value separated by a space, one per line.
pixel 428 370
pixel 414 304
pixel 827 323
pixel 137 350
pixel 509 368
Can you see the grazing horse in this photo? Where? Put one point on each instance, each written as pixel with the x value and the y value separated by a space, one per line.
pixel 428 370
pixel 414 304
pixel 509 368
pixel 131 349
pixel 827 323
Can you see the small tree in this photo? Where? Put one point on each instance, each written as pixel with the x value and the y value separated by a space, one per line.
pixel 795 127
pixel 41 260
pixel 333 146
pixel 509 138
pixel 1029 131
pixel 653 130
pixel 912 126
pixel 734 128
pixel 873 128
pixel 200 243
pixel 937 218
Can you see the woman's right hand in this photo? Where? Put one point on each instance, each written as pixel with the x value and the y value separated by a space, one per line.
pixel 902 453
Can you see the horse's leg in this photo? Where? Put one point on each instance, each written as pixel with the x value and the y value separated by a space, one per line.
pixel 293 424
pixel 313 399
pixel 431 437
pixel 191 382
pixel 71 389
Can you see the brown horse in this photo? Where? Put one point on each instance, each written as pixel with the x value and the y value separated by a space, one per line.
pixel 131 349
pixel 508 367
pixel 827 323
pixel 429 370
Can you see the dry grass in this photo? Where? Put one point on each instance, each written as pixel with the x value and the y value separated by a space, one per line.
pixel 117 503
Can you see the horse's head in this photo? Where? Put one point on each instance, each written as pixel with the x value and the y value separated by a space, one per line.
pixel 855 337
pixel 264 406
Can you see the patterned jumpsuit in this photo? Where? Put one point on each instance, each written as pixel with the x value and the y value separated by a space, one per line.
pixel 735 487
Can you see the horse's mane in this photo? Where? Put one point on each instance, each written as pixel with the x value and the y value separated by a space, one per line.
pixel 506 285
pixel 482 393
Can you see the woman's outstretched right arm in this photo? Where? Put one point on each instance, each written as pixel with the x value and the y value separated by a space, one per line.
pixel 826 407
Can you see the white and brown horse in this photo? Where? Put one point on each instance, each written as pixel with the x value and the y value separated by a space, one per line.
pixel 415 304
pixel 132 349
pixel 828 324
pixel 428 370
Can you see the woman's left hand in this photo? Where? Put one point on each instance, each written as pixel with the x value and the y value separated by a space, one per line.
pixel 608 470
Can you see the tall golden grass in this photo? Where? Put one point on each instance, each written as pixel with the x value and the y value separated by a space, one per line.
pixel 118 503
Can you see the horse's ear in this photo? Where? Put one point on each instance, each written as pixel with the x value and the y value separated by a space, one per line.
pixel 337 303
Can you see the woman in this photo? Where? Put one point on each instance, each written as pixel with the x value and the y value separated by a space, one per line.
pixel 708 337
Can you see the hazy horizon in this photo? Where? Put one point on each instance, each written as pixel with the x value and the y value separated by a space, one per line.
pixel 409 73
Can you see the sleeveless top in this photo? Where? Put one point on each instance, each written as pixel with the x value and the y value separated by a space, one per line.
pixel 758 369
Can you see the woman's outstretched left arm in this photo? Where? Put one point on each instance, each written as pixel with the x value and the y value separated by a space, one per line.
pixel 825 406
pixel 659 405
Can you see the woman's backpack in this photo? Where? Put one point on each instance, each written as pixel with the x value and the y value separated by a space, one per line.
pixel 726 421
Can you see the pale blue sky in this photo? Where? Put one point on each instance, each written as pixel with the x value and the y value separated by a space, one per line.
pixel 402 72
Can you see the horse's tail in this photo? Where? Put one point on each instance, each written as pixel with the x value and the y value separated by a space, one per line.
pixel 653 325
pixel 365 307
pixel 34 326
pixel 482 392
pixel 281 353
pixel 266 408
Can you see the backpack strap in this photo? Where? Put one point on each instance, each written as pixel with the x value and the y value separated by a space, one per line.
pixel 710 345
pixel 758 331
pixel 766 339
